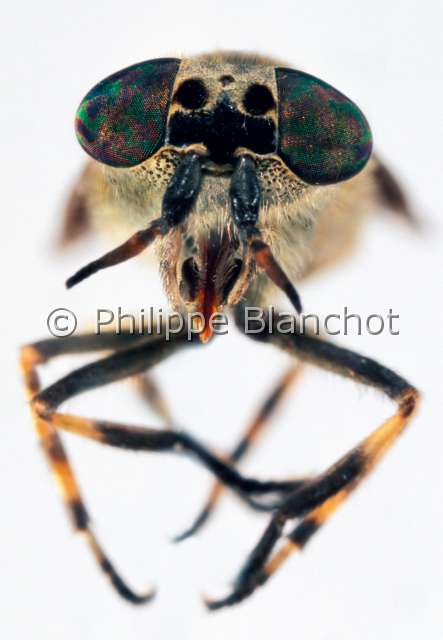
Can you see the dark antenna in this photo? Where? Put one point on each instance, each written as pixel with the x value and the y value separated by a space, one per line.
pixel 178 199
pixel 129 249
pixel 245 196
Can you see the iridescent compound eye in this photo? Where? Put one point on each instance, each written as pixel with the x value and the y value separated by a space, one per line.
pixel 323 136
pixel 121 121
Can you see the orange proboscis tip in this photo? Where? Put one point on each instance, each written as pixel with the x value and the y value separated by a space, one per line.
pixel 207 306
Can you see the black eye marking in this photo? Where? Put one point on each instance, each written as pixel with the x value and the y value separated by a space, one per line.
pixel 225 80
pixel 222 130
pixel 258 100
pixel 190 280
pixel 191 94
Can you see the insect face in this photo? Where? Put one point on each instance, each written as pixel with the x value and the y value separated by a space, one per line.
pixel 222 117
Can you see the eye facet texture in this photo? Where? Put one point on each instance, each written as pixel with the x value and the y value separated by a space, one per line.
pixel 323 136
pixel 121 121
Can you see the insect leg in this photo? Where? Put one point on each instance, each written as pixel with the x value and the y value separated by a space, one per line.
pixel 150 392
pixel 44 350
pixel 121 364
pixel 317 499
pixel 146 352
pixel 252 433
pixel 37 354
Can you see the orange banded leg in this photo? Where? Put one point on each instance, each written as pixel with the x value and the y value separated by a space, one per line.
pixel 253 432
pixel 317 499
pixel 31 357
pixel 126 363
pixel 150 392
pixel 121 364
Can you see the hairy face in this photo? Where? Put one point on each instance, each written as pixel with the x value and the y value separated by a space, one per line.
pixel 247 136
pixel 203 264
pixel 223 104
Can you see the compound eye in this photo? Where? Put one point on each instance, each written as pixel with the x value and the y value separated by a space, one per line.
pixel 323 136
pixel 191 94
pixel 122 120
pixel 258 100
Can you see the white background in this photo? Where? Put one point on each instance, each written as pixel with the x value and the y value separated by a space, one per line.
pixel 375 571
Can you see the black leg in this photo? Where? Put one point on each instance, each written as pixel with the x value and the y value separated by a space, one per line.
pixel 260 421
pixel 38 353
pixel 316 500
pixel 32 356
pixel 124 362
pixel 120 365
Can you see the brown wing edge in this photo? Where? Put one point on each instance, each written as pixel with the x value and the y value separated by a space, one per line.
pixel 75 216
pixel 392 195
